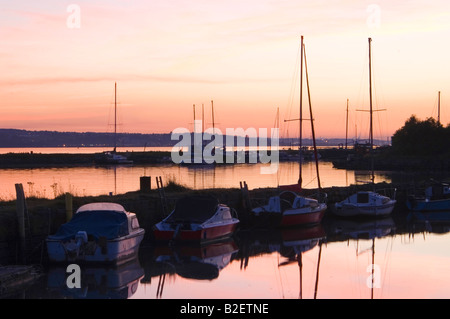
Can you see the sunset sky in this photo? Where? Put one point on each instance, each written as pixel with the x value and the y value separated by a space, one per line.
pixel 59 61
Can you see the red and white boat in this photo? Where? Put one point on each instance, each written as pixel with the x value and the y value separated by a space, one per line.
pixel 197 218
pixel 290 209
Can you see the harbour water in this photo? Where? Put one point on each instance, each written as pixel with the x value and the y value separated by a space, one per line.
pixel 101 180
pixel 403 256
pixel 344 260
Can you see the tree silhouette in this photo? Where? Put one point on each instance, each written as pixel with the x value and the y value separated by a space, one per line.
pixel 424 138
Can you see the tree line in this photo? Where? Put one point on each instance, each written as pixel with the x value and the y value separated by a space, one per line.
pixel 421 138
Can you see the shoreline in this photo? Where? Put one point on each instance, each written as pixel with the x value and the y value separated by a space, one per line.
pixel 341 159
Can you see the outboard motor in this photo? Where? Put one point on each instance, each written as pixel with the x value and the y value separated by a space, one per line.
pixel 73 249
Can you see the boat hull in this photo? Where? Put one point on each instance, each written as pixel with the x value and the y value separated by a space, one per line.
pixel 289 217
pixel 428 205
pixel 199 233
pixel 114 251
pixel 292 217
pixel 352 210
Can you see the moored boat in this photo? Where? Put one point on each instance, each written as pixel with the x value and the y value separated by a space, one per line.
pixel 436 197
pixel 97 233
pixel 197 218
pixel 290 209
pixel 112 158
pixel 364 203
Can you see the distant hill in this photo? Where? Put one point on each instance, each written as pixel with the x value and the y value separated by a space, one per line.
pixel 25 138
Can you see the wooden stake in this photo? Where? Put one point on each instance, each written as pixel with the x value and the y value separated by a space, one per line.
pixel 69 207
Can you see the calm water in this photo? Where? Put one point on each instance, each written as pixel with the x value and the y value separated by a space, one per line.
pixel 333 261
pixel 85 181
pixel 409 252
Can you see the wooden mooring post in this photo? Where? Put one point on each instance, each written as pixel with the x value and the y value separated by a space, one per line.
pixel 145 184
pixel 245 196
pixel 162 195
pixel 69 206
pixel 23 222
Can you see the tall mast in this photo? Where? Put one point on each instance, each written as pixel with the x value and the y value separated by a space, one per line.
pixel 371 110
pixel 370 95
pixel 115 116
pixel 212 114
pixel 301 117
pixel 312 125
pixel 346 127
pixel 193 107
pixel 439 107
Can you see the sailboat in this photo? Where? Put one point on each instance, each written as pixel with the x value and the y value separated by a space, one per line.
pixel 197 147
pixel 112 157
pixel 289 208
pixel 366 203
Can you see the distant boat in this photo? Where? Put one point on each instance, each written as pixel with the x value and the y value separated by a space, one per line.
pixel 112 157
pixel 289 208
pixel 198 218
pixel 436 197
pixel 97 233
pixel 366 203
pixel 197 159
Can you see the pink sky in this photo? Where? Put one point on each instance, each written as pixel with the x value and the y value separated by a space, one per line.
pixel 168 55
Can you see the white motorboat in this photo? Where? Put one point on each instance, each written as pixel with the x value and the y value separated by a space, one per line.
pixel 98 232
pixel 364 203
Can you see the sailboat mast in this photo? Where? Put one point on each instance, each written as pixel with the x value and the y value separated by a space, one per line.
pixel 203 118
pixel 115 116
pixel 371 111
pixel 370 95
pixel 212 114
pixel 301 117
pixel 439 107
pixel 312 124
pixel 346 127
pixel 193 108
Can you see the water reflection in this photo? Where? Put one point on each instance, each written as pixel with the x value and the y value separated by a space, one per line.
pixel 332 260
pixel 190 261
pixel 290 244
pixel 364 228
pixel 96 282
pixel 433 221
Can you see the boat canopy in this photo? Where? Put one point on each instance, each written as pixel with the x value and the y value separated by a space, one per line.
pixel 96 223
pixel 197 208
